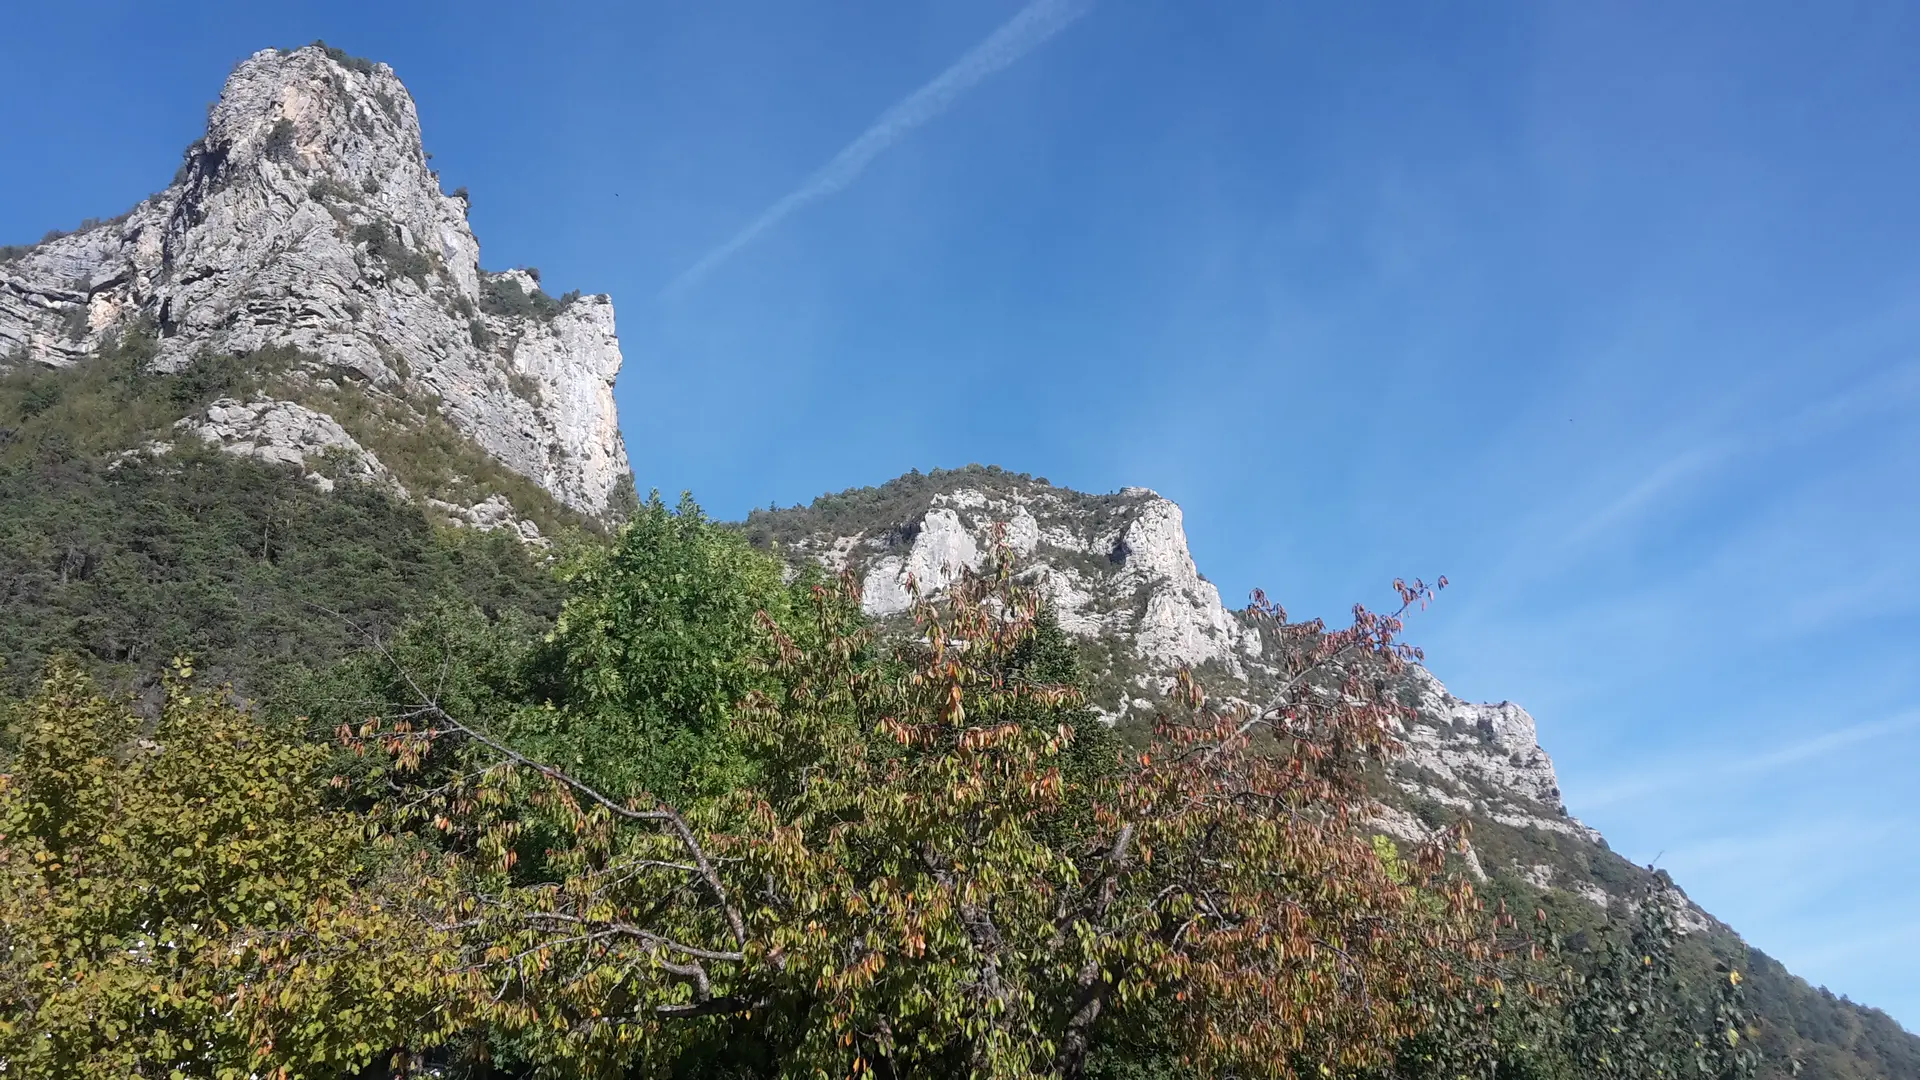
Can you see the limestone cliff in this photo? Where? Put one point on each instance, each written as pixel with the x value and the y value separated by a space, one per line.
pixel 308 218
pixel 1118 573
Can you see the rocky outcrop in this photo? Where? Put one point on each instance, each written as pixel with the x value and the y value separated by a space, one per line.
pixel 942 550
pixel 289 434
pixel 1110 566
pixel 491 514
pixel 1184 623
pixel 1117 572
pixel 1488 755
pixel 308 217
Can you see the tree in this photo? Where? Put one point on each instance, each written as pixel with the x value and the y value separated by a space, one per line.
pixel 656 643
pixel 152 886
pixel 920 876
pixel 1630 1016
pixel 1618 1009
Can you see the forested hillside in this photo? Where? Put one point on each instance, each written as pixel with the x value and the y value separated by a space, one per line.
pixel 124 556
pixel 710 824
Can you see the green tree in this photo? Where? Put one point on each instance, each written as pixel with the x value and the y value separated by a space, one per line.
pixel 1046 656
pixel 153 886
pixel 1616 1009
pixel 918 876
pixel 657 642
pixel 1630 1016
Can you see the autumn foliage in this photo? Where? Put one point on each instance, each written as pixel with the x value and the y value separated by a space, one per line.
pixel 935 871
pixel 900 852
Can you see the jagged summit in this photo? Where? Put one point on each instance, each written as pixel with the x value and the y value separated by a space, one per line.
pixel 307 217
pixel 1112 566
pixel 1118 573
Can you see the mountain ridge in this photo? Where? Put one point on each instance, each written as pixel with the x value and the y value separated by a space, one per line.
pixel 1118 572
pixel 1118 567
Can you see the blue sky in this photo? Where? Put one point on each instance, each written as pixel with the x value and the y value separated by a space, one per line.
pixel 1611 313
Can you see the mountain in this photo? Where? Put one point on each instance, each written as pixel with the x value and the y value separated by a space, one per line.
pixel 301 311
pixel 268 390
pixel 1117 571
pixel 307 222
pixel 1118 574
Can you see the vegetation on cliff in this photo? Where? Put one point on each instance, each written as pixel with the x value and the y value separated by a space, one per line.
pixel 123 558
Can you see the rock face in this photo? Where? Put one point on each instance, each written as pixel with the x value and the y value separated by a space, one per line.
pixel 289 434
pixel 1113 566
pixel 1115 569
pixel 492 513
pixel 1117 572
pixel 1488 755
pixel 308 217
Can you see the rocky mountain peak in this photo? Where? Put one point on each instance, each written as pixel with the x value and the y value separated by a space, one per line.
pixel 307 218
pixel 314 115
pixel 1118 573
pixel 1113 567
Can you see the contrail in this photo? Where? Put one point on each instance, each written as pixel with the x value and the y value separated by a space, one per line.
pixel 1766 761
pixel 1020 35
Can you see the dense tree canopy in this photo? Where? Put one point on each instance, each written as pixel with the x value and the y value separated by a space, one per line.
pixel 125 558
pixel 711 823
pixel 150 881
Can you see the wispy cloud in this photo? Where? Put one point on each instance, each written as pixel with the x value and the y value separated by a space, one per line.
pixel 1018 36
pixel 1804 849
pixel 1648 492
pixel 1823 744
pixel 1885 942
pixel 1763 762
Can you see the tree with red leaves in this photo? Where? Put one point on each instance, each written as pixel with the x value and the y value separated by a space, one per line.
pixel 938 868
